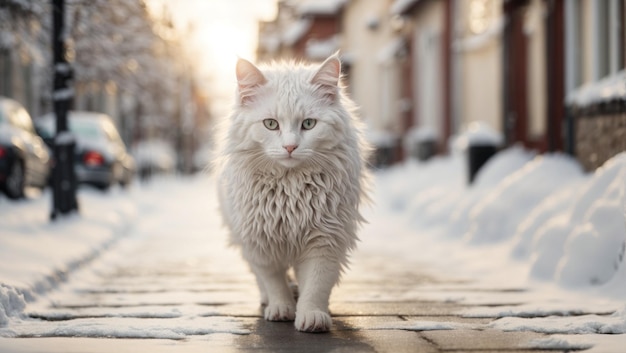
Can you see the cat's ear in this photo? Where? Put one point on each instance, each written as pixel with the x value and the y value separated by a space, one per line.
pixel 327 77
pixel 249 78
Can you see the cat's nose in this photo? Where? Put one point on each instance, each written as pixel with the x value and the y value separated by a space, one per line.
pixel 290 148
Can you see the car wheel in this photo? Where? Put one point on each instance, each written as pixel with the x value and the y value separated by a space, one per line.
pixel 14 183
pixel 104 187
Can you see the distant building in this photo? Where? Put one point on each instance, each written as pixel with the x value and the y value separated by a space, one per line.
pixel 373 51
pixel 547 74
pixel 595 79
pixel 303 29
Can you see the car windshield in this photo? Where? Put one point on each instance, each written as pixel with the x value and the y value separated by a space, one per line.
pixel 85 129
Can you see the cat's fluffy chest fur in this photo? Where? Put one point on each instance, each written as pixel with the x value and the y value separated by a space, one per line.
pixel 291 177
pixel 283 213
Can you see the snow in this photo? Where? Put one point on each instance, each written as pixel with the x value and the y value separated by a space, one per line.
pixel 131 328
pixel 296 30
pixel 319 49
pixel 420 134
pixel 102 221
pixel 530 226
pixel 155 153
pixel 503 208
pixel 605 90
pixel 584 324
pixel 320 7
pixel 480 133
pixel 27 271
pixel 381 138
pixel 63 94
pixel 400 6
pixel 11 301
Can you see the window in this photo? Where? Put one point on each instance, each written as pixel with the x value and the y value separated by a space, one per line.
pixel 616 36
pixel 595 38
pixel 608 42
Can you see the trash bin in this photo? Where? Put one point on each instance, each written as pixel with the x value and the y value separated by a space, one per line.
pixel 477 156
pixel 426 149
pixel 482 143
pixel 421 143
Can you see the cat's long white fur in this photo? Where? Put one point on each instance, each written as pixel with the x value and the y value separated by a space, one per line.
pixel 297 209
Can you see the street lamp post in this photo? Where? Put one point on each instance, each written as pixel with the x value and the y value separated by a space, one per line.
pixel 63 175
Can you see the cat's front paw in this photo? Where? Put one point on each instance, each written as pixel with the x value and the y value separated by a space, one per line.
pixel 313 321
pixel 280 312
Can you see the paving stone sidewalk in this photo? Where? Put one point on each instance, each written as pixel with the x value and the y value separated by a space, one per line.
pixel 174 286
pixel 164 293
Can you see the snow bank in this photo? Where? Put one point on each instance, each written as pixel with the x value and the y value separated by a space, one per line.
pixel 493 172
pixel 566 227
pixel 27 271
pixel 595 248
pixel 480 133
pixel 584 324
pixel 11 303
pixel 498 214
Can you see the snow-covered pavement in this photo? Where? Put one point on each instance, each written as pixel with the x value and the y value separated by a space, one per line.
pixel 530 257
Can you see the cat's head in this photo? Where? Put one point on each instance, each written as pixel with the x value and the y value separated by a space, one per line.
pixel 289 114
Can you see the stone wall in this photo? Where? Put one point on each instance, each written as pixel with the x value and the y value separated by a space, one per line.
pixel 599 137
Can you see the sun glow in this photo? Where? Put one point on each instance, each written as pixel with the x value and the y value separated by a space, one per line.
pixel 220 44
pixel 216 32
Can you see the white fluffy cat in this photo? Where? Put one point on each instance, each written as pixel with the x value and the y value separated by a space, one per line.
pixel 291 177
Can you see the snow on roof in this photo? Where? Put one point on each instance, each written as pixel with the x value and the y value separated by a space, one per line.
pixel 321 7
pixel 296 31
pixel 400 6
pixel 322 48
pixel 607 89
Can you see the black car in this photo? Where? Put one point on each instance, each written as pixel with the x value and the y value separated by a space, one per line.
pixel 101 158
pixel 24 158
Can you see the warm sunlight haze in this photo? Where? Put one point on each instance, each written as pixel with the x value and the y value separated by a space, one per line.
pixel 216 33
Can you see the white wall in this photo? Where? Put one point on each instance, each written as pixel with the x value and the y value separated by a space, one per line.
pixel 480 61
pixel 374 80
pixel 535 31
pixel 428 70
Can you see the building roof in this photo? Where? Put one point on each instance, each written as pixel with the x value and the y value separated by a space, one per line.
pixel 296 31
pixel 321 7
pixel 322 48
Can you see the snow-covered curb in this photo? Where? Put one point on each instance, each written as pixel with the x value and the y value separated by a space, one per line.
pixel 38 254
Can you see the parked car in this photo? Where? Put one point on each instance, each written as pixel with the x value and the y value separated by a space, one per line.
pixel 24 159
pixel 101 158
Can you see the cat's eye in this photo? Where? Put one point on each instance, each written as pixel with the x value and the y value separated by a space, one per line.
pixel 271 124
pixel 308 124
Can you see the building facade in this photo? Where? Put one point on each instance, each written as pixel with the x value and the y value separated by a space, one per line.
pixel 546 74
